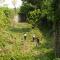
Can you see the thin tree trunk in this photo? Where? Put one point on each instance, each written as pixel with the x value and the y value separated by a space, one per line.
pixel 57 39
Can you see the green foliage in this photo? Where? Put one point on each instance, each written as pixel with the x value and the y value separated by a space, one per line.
pixel 5 16
pixel 33 2
pixel 25 8
pixel 34 16
pixel 9 13
pixel 14 47
pixel 45 7
pixel 57 9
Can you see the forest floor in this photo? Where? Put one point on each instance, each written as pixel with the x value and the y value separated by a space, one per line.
pixel 14 47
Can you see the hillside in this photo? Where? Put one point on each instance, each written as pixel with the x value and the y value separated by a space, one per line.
pixel 14 47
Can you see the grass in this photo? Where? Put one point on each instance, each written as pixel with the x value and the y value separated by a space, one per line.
pixel 14 47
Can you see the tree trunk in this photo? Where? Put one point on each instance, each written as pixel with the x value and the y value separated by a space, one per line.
pixel 57 39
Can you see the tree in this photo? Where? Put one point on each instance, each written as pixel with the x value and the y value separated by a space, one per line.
pixel 34 3
pixel 6 15
pixel 34 17
pixel 24 10
pixel 51 8
pixel 14 4
pixel 56 26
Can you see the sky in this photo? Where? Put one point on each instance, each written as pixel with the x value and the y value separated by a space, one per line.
pixel 10 4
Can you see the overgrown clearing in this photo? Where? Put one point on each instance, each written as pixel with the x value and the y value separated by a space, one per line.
pixel 14 47
pixel 39 17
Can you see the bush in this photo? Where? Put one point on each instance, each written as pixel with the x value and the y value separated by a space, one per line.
pixel 34 17
pixel 5 16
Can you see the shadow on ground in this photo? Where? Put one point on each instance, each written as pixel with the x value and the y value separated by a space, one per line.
pixel 21 30
pixel 46 56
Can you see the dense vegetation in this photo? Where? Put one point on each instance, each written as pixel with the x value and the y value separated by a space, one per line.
pixel 39 13
pixel 6 15
pixel 44 6
pixel 44 15
pixel 41 16
pixel 12 43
